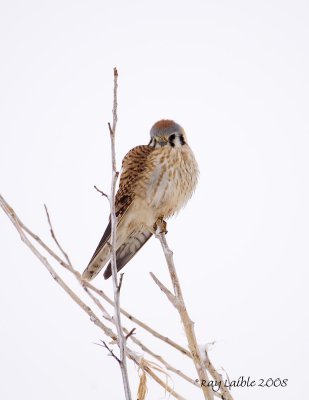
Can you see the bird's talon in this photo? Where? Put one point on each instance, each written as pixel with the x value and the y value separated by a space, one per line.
pixel 160 226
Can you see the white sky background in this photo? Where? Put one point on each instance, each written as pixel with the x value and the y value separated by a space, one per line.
pixel 235 76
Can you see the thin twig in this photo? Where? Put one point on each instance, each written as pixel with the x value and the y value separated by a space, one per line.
pixel 111 351
pixel 172 298
pixel 116 286
pixel 132 332
pixel 55 238
pixel 101 192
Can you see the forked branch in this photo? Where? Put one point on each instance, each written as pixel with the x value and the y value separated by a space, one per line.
pixel 24 232
pixel 178 302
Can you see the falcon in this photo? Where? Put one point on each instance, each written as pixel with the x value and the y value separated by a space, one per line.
pixel 156 181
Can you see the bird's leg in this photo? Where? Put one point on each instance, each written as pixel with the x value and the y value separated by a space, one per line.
pixel 160 226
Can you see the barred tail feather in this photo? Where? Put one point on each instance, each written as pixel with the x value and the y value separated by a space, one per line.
pixel 100 256
pixel 128 250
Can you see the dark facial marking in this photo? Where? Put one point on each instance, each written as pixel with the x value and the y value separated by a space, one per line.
pixel 182 140
pixel 171 140
pixel 152 142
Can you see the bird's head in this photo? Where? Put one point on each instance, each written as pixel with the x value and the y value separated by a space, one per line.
pixel 167 132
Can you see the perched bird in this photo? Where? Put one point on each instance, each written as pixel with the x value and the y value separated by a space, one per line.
pixel 156 181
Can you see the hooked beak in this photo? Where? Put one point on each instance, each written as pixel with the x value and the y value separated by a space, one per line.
pixel 162 140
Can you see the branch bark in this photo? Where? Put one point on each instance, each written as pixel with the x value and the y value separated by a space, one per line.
pixel 178 302
pixel 116 285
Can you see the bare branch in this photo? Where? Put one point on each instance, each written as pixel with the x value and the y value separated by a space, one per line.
pixel 56 277
pixel 55 238
pixel 100 292
pixel 189 324
pixel 93 317
pixel 141 323
pixel 116 286
pixel 146 349
pixel 132 331
pixel 111 351
pixel 186 321
pixel 225 393
pixel 169 294
pixel 19 225
pixel 101 192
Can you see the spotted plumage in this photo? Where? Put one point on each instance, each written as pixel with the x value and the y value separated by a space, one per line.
pixel 156 181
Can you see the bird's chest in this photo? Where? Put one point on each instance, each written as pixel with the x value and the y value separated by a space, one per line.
pixel 169 181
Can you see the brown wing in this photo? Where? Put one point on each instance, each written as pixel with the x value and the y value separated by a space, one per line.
pixel 133 164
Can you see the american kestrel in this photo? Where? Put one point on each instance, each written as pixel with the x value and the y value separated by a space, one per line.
pixel 156 181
